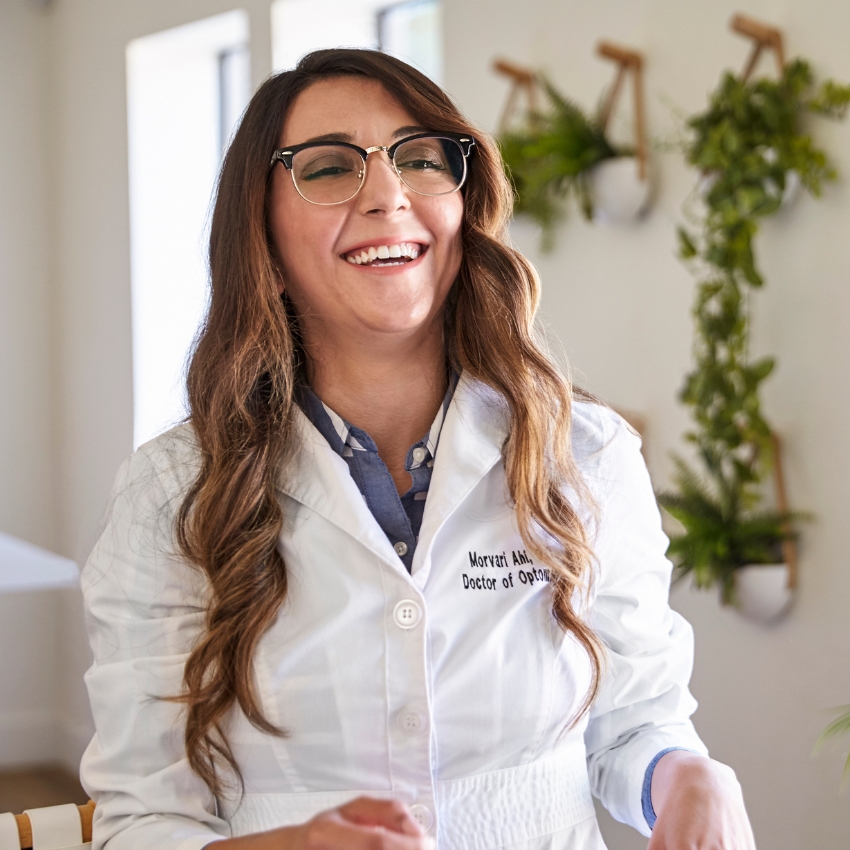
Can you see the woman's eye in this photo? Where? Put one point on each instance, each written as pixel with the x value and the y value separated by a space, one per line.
pixel 325 171
pixel 325 166
pixel 423 164
pixel 421 158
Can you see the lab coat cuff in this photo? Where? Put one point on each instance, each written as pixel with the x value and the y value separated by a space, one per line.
pixel 646 793
pixel 638 768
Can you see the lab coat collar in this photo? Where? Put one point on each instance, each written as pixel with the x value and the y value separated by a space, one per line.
pixel 474 430
pixel 470 445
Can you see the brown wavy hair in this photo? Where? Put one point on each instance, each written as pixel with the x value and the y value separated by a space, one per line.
pixel 247 362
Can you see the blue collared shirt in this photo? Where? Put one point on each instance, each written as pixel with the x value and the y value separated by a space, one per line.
pixel 400 517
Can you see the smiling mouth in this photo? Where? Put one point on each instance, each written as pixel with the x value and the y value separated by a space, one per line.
pixel 385 255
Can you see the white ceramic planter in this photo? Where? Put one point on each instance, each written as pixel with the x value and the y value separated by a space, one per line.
pixel 619 195
pixel 791 190
pixel 762 591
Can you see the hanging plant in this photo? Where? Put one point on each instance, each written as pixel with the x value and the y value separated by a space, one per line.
pixel 748 145
pixel 550 160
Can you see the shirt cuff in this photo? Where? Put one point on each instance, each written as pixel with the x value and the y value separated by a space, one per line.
pixel 646 793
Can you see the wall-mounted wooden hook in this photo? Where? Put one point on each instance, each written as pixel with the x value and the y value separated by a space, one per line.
pixel 789 546
pixel 524 81
pixel 629 61
pixel 763 36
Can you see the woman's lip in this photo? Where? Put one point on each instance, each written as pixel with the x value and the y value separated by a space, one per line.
pixel 389 269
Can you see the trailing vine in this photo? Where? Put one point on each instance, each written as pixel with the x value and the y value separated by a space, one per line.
pixel 749 145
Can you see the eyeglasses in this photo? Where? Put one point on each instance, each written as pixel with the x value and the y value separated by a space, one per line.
pixel 333 172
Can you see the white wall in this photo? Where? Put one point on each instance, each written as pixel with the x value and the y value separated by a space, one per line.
pixel 619 302
pixel 65 345
pixel 26 314
pixel 27 334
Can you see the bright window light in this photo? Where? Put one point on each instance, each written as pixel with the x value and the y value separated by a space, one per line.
pixel 410 30
pixel 186 88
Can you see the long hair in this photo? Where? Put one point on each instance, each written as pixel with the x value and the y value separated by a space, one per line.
pixel 246 366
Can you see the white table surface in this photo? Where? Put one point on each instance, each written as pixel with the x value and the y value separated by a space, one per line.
pixel 25 566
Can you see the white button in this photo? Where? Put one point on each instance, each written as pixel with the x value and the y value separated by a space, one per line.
pixel 419 454
pixel 407 614
pixel 400 548
pixel 411 722
pixel 422 815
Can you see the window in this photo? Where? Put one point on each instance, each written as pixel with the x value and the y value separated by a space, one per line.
pixel 186 88
pixel 408 29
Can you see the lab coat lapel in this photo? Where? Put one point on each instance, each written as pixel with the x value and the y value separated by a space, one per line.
pixel 474 430
pixel 319 478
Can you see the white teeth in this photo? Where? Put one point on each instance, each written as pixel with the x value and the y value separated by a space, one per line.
pixel 410 250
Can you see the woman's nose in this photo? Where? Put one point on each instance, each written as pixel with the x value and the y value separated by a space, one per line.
pixel 382 189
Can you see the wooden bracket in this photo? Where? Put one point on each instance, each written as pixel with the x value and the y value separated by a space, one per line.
pixel 763 36
pixel 628 61
pixel 524 80
pixel 789 546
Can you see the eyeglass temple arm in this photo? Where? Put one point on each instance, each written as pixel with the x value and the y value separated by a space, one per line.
pixel 281 156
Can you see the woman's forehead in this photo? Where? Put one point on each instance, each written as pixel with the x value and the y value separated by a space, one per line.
pixel 350 108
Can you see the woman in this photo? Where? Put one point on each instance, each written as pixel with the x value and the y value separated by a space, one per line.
pixel 293 646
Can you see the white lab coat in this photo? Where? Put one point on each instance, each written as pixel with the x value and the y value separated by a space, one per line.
pixel 450 688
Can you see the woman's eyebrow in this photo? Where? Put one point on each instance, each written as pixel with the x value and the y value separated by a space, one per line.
pixel 408 131
pixel 331 137
pixel 348 137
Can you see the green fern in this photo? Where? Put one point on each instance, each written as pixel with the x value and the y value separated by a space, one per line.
pixel 718 538
pixel 548 161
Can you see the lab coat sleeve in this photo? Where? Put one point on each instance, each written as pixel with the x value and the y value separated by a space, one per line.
pixel 644 704
pixel 144 611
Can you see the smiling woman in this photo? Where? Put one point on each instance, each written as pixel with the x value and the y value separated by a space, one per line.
pixel 286 650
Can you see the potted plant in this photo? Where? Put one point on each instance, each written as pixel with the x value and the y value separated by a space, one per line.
pixel 747 144
pixel 561 153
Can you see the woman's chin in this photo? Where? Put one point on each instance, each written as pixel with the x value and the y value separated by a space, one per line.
pixel 395 323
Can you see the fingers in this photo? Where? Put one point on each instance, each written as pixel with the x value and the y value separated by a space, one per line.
pixel 390 814
pixel 335 833
pixel 364 824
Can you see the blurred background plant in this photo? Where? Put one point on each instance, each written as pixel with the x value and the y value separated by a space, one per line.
pixel 749 146
pixel 840 727
pixel 549 159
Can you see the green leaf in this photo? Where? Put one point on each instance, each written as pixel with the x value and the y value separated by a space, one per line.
pixel 687 249
pixel 840 727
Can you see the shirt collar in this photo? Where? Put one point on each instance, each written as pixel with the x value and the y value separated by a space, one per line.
pixel 345 438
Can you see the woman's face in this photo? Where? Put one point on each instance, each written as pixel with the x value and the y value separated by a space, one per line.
pixel 335 298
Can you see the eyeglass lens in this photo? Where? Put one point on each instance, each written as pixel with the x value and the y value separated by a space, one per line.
pixel 331 174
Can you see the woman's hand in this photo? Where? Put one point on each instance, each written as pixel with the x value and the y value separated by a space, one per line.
pixel 362 824
pixel 699 805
